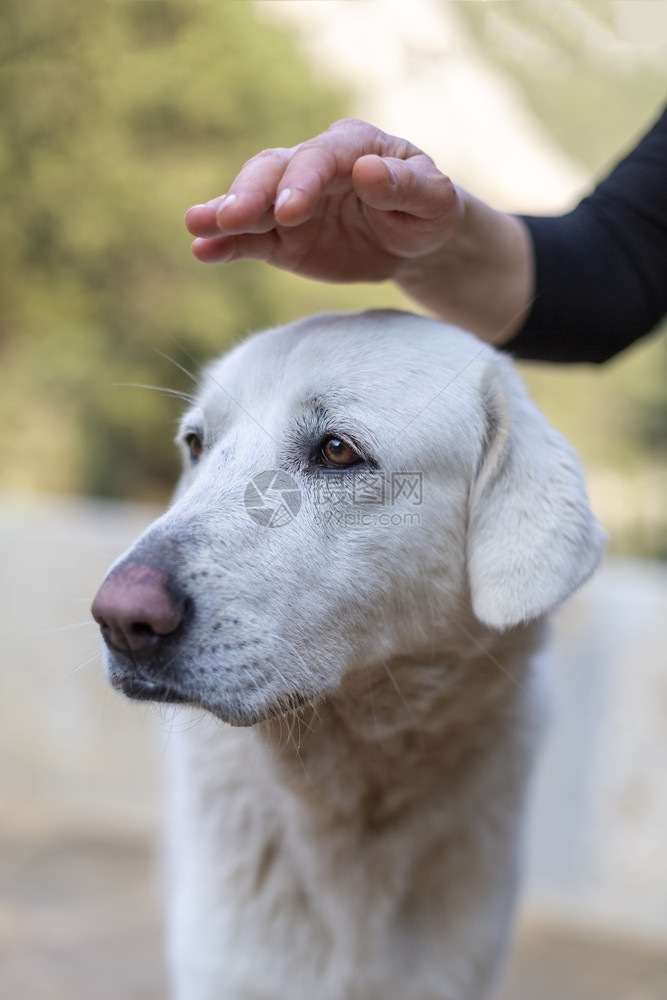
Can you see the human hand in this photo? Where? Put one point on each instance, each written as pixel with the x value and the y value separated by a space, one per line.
pixel 352 204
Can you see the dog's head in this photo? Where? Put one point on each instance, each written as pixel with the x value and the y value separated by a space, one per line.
pixel 352 486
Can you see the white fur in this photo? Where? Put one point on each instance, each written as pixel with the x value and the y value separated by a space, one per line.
pixel 365 846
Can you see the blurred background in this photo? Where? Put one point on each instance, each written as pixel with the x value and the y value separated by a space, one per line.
pixel 116 117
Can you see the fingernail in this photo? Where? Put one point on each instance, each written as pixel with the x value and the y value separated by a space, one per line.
pixel 191 209
pixel 282 199
pixel 229 199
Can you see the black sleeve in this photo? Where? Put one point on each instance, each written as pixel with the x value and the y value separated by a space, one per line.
pixel 601 270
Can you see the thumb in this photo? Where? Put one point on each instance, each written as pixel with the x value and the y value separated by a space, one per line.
pixel 414 186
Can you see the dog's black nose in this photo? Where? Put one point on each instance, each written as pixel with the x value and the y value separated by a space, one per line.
pixel 136 607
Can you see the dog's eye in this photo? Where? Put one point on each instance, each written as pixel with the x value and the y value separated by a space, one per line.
pixel 338 454
pixel 195 445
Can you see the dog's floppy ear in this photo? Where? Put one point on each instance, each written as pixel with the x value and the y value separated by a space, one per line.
pixel 532 537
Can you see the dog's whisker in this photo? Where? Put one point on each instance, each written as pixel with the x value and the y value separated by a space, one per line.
pixel 490 656
pixel 170 337
pixel 185 396
pixel 52 631
pixel 285 717
pixel 406 705
pixel 187 353
pixel 91 657
pixel 191 643
pixel 186 371
pixel 373 712
pixel 178 723
pixel 297 747
pixel 285 642
pixel 302 721
pixel 290 719
pixel 315 713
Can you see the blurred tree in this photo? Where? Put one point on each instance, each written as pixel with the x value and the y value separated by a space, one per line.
pixel 584 82
pixel 115 117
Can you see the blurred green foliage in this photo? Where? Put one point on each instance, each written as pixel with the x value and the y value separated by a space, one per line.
pixel 581 78
pixel 115 117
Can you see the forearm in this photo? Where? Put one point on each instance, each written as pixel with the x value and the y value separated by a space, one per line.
pixel 482 278
pixel 601 270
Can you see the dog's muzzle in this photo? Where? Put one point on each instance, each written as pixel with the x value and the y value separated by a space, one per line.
pixel 141 614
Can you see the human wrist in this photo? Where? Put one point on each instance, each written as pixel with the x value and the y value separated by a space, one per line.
pixel 481 277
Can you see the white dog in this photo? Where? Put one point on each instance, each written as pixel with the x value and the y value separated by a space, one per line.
pixel 372 523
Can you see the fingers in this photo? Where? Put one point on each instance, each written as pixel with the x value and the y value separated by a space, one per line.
pixel 285 185
pixel 325 165
pixel 224 249
pixel 200 220
pixel 400 195
pixel 246 207
pixel 414 186
pixel 311 171
pixel 277 185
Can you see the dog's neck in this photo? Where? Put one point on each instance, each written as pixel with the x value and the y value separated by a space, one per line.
pixel 360 754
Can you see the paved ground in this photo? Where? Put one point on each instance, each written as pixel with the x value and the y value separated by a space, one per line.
pixel 79 920
pixel 555 965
